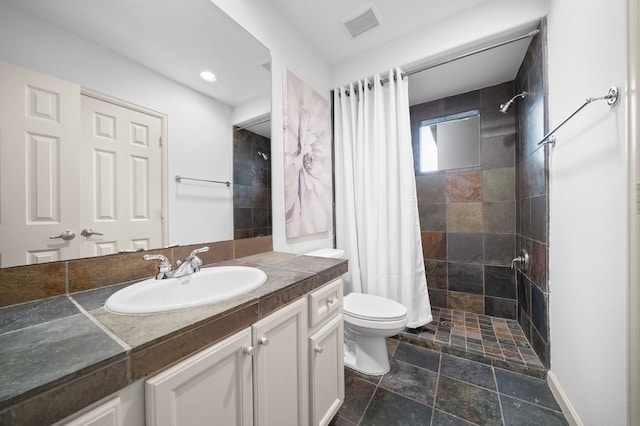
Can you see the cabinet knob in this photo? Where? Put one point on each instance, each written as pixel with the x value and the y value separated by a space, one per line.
pixel 331 301
pixel 318 349
pixel 264 341
pixel 249 350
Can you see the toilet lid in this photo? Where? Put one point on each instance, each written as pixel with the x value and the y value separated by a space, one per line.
pixel 373 308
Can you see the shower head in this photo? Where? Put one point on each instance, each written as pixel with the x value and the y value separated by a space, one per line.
pixel 505 106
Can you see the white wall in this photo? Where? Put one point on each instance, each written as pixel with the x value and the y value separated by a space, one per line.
pixel 588 274
pixel 200 134
pixel 288 51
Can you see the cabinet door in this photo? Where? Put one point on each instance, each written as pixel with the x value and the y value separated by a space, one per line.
pixel 107 414
pixel 280 367
pixel 326 371
pixel 211 387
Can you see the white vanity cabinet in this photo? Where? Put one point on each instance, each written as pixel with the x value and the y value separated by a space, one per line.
pixel 215 386
pixel 286 369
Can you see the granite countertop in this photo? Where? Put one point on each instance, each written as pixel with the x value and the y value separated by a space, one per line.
pixel 61 354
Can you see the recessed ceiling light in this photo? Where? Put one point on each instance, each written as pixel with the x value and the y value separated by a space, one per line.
pixel 207 76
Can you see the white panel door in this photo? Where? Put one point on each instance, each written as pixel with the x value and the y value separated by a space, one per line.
pixel 121 178
pixel 39 136
pixel 213 387
pixel 280 367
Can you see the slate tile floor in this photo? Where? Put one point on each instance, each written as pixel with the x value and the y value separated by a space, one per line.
pixel 432 388
pixel 495 341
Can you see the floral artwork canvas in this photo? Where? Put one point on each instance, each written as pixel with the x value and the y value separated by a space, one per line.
pixel 307 159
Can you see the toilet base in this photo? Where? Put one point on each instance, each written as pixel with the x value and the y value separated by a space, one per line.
pixel 367 355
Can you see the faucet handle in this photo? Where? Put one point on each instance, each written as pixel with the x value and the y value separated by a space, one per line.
pixel 196 251
pixel 163 268
pixel 194 260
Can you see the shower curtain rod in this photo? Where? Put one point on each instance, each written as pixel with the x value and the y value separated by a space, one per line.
pixel 611 97
pixel 464 55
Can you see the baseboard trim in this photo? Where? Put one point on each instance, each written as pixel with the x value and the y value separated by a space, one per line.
pixel 567 409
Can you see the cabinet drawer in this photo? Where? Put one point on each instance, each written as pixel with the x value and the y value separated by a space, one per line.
pixel 325 302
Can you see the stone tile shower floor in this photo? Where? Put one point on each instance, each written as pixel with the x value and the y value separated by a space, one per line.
pixel 433 388
pixel 496 341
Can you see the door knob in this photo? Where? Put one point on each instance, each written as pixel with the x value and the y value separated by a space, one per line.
pixel 87 232
pixel 66 235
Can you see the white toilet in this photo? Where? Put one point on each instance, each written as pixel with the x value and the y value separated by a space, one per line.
pixel 368 319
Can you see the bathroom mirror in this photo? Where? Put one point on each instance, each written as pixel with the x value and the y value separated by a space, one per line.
pixel 450 142
pixel 149 53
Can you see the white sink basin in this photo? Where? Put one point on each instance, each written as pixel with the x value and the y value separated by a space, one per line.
pixel 205 286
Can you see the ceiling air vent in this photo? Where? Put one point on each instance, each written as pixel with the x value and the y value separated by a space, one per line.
pixel 362 20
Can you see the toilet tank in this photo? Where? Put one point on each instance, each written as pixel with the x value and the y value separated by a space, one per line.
pixel 333 253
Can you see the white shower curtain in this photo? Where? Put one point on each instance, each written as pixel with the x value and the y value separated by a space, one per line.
pixel 377 221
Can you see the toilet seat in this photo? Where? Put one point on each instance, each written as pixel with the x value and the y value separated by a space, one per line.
pixel 368 307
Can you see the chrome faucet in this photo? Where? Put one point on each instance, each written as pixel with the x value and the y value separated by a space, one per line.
pixel 164 269
pixel 191 264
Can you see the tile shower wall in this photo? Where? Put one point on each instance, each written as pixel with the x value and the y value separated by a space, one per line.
pixel 532 194
pixel 251 185
pixel 468 216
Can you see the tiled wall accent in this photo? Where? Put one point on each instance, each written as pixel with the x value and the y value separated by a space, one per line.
pixel 251 185
pixel 468 216
pixel 32 282
pixel 533 196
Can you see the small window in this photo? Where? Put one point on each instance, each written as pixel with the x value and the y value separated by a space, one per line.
pixel 450 142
